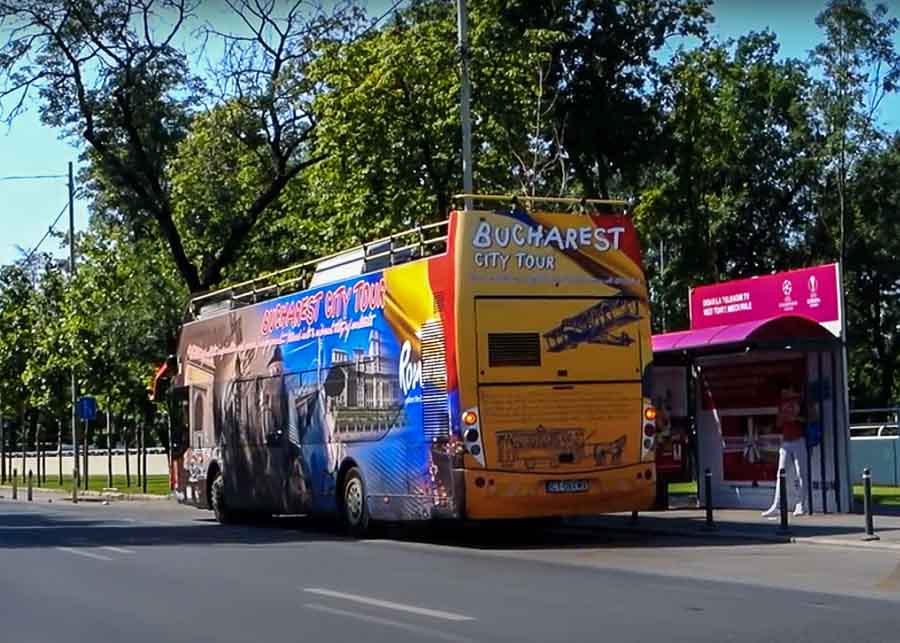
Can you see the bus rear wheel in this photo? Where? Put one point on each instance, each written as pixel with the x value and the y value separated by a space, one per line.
pixel 354 508
pixel 217 500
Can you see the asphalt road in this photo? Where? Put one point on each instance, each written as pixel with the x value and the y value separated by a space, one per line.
pixel 160 573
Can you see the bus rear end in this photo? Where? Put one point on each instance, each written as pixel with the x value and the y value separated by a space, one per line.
pixel 553 343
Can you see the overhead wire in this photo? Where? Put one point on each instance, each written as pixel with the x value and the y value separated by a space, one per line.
pixel 48 233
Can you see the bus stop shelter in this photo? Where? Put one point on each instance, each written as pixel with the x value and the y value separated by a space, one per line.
pixel 722 377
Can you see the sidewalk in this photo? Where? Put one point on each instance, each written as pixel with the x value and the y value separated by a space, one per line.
pixel 844 530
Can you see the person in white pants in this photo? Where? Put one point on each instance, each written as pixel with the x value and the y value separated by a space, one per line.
pixel 792 452
pixel 790 458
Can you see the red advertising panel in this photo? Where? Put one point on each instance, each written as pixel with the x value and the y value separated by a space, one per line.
pixel 808 292
pixel 746 395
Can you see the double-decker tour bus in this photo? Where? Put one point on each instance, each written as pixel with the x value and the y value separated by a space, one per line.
pixel 494 365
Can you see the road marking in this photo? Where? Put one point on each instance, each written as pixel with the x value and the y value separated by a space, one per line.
pixel 118 550
pixel 409 627
pixel 400 607
pixel 86 554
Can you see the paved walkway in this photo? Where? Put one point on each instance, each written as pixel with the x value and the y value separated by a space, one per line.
pixel 845 530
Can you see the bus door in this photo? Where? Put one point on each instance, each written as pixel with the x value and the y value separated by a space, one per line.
pixel 256 445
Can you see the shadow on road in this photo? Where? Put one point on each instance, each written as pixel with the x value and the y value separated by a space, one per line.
pixel 33 528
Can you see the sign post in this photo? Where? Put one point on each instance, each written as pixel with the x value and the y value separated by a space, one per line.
pixel 86 409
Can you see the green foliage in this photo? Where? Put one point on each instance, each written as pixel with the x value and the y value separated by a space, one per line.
pixel 733 195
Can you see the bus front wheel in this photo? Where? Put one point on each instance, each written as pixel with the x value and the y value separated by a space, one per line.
pixel 353 501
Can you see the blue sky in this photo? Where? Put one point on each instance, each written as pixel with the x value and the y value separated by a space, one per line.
pixel 27 208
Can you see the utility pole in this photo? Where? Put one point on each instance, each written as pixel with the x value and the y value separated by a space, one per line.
pixel 71 280
pixel 464 97
pixel 2 442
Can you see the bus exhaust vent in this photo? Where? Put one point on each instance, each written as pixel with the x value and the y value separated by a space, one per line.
pixel 514 349
pixel 434 380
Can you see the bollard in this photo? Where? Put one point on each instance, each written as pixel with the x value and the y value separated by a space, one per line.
pixel 783 502
pixel 30 487
pixel 707 494
pixel 867 505
pixel 75 486
pixel 634 518
pixel 15 482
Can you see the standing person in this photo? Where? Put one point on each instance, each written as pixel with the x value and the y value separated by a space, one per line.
pixel 790 420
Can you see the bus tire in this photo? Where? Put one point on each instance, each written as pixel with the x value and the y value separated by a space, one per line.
pixel 354 509
pixel 218 502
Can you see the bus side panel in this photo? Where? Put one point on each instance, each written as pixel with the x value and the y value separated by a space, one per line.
pixel 358 372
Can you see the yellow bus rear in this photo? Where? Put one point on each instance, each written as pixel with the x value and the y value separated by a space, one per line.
pixel 553 348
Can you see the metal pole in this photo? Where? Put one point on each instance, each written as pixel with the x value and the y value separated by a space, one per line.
pixel 59 450
pixel 86 449
pixel 843 436
pixel 15 483
pixel 109 475
pixel 464 98
pixel 2 443
pixel 30 487
pixel 127 457
pixel 834 434
pixel 707 488
pixel 75 484
pixel 144 449
pixel 783 502
pixel 867 505
pixel 821 414
pixel 71 279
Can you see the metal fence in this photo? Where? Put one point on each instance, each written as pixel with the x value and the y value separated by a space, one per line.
pixel 875 443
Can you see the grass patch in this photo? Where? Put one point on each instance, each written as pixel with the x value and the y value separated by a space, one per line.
pixel 881 495
pixel 156 485
pixel 682 488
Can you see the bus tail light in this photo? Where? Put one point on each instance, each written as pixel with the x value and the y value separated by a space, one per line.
pixel 471 433
pixel 648 437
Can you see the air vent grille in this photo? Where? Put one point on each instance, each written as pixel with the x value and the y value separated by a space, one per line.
pixel 514 349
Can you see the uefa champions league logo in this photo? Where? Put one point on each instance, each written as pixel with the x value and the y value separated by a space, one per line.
pixel 788 304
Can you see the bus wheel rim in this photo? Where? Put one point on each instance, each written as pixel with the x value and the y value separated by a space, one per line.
pixel 354 501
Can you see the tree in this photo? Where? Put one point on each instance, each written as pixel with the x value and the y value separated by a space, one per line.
pixel 605 66
pixel 733 196
pixel 873 277
pixel 112 74
pixel 859 66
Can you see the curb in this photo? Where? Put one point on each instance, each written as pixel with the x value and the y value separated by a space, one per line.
pixel 841 542
pixel 66 494
pixel 698 532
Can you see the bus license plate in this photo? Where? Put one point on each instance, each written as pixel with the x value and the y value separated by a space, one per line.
pixel 567 486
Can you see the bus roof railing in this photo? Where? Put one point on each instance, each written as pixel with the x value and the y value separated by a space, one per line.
pixel 415 243
pixel 550 200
